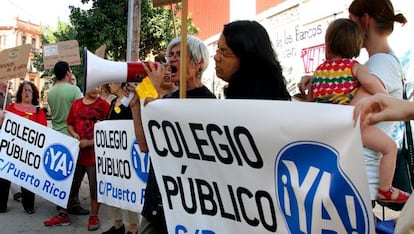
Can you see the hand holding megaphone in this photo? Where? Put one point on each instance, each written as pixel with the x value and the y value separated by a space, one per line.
pixel 146 89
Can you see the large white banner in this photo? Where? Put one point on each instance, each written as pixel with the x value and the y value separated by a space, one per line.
pixel 250 166
pixel 37 158
pixel 122 169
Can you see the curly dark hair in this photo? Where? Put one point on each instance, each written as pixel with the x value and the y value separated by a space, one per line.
pixel 35 92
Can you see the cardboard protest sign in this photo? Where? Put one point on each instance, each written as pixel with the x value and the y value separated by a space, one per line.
pixel 250 166
pixel 122 169
pixel 13 62
pixel 37 158
pixel 100 52
pixel 62 51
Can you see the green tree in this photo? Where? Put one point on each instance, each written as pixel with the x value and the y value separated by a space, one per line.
pixel 106 23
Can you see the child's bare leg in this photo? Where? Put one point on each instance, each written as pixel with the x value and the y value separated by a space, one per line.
pixel 375 139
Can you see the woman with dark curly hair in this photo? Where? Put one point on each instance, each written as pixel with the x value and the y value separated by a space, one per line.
pixel 27 106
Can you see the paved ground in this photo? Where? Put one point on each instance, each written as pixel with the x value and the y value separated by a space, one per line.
pixel 16 220
pixel 388 214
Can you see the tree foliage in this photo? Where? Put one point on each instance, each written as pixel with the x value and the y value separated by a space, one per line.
pixel 106 23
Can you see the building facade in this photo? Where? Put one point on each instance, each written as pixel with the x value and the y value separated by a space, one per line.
pixel 297 30
pixel 16 32
pixel 296 27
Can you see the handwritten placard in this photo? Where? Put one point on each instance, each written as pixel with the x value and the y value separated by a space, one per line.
pixel 100 52
pixel 62 51
pixel 13 62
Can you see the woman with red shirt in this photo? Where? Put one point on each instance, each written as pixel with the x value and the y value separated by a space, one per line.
pixel 27 106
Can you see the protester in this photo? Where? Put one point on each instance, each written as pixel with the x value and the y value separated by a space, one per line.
pixel 73 80
pixel 105 93
pixel 249 63
pixel 27 106
pixel 376 20
pixel 378 108
pixel 197 62
pixel 4 94
pixel 153 218
pixel 83 114
pixel 15 189
pixel 342 80
pixel 60 97
pixel 117 108
pixel 381 107
pixel 119 111
pixel 164 85
pixel 77 209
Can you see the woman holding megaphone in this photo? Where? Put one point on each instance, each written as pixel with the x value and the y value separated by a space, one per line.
pixel 153 219
pixel 249 65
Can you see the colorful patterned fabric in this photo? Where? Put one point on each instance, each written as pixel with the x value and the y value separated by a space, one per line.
pixel 333 82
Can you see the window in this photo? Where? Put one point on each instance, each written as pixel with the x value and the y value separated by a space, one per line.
pixel 33 44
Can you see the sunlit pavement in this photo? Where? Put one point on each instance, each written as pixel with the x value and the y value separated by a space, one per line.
pixel 16 220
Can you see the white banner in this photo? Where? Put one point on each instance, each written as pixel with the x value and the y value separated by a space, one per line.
pixel 122 169
pixel 37 158
pixel 250 166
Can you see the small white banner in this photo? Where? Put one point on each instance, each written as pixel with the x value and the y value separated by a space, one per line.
pixel 250 166
pixel 122 169
pixel 37 158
